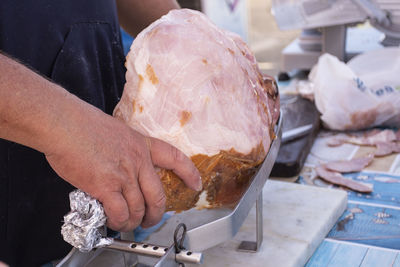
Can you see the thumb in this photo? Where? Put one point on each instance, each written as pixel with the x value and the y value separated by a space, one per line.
pixel 169 157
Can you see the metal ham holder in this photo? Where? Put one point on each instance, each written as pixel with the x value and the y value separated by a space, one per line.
pixel 193 230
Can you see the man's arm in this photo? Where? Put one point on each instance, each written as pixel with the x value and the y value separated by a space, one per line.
pixel 135 15
pixel 88 148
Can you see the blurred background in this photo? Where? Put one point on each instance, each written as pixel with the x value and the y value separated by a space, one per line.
pixel 264 37
pixel 262 33
pixel 342 28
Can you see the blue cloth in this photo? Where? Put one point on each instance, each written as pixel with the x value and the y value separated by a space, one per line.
pixel 126 41
pixel 141 233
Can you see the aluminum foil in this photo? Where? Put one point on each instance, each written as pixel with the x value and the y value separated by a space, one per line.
pixel 84 225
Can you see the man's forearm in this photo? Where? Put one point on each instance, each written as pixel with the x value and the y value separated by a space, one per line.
pixel 136 15
pixel 89 149
pixel 33 110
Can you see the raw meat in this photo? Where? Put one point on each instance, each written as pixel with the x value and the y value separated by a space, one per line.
pixel 353 165
pixel 337 141
pixel 199 88
pixel 373 137
pixel 369 138
pixel 338 179
pixel 386 148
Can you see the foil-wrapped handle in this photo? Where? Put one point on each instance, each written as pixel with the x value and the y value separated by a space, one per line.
pixel 84 225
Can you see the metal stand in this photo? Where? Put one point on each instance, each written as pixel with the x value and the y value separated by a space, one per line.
pixel 124 253
pixel 334 41
pixel 254 246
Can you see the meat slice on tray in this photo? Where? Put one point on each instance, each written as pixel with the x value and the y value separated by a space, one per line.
pixel 371 138
pixel 199 88
pixel 338 179
pixel 386 148
pixel 353 165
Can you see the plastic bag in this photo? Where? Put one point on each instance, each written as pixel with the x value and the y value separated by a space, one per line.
pixel 361 94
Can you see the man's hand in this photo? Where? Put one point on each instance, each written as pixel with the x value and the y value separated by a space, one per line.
pixel 91 150
pixel 115 165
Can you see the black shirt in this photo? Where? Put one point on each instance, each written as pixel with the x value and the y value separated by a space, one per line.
pixel 76 43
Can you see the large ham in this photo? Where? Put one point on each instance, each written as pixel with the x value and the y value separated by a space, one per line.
pixel 198 88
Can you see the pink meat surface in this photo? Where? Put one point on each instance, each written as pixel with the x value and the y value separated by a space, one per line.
pixel 195 86
pixel 373 137
pixel 338 179
pixel 369 138
pixel 337 141
pixel 199 88
pixel 353 165
pixel 386 148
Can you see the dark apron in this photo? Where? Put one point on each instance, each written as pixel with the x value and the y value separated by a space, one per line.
pixel 76 43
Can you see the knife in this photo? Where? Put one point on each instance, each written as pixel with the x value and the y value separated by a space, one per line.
pixel 295 133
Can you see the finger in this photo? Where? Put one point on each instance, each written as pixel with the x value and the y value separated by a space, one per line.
pixel 136 203
pixel 116 210
pixel 153 194
pixel 169 157
pixel 124 210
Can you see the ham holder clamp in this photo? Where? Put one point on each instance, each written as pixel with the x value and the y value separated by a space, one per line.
pixel 202 229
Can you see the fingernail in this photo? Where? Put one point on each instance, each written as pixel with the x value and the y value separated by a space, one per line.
pixel 199 185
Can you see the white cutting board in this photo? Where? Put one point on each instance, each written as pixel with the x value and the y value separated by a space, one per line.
pixel 296 220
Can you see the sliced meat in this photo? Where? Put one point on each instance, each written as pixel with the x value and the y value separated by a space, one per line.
pixel 353 165
pixel 337 141
pixel 383 149
pixel 386 148
pixel 338 179
pixel 373 137
pixel 369 138
pixel 372 132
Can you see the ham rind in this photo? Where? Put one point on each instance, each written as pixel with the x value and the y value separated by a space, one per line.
pixel 338 179
pixel 353 165
pixel 199 88
pixel 386 148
